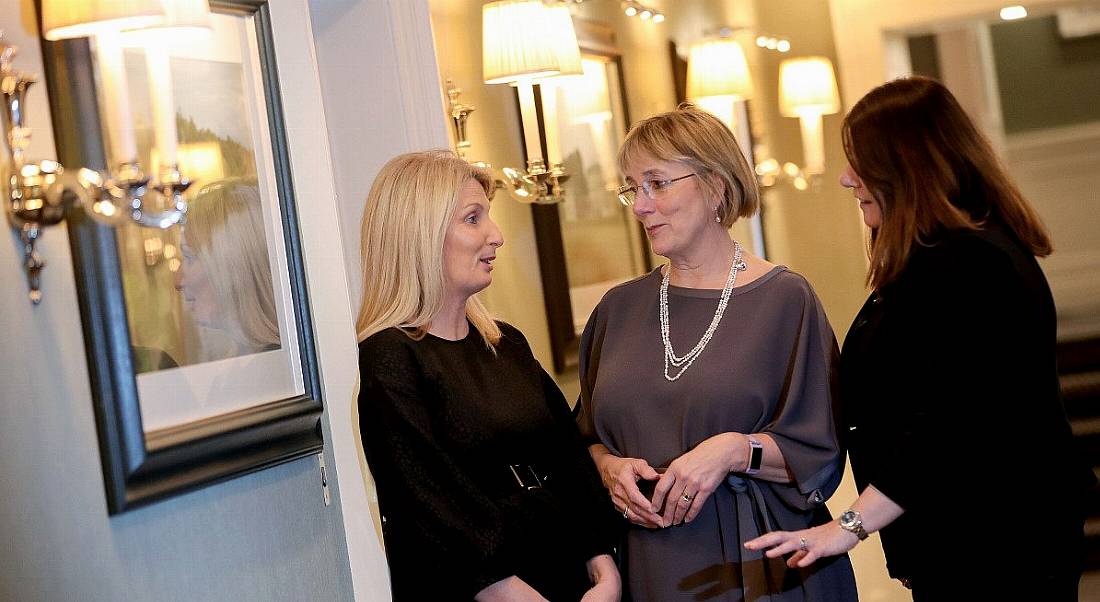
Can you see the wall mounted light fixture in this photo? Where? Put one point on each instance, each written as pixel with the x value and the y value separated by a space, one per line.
pixel 807 90
pixel 524 42
pixel 37 193
pixel 718 77
pixel 719 81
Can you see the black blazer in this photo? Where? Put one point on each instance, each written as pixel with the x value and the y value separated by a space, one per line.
pixel 953 409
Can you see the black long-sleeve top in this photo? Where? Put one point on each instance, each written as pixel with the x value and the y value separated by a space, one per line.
pixel 953 410
pixel 441 422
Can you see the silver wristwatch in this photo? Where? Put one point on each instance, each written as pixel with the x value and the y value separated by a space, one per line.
pixel 853 521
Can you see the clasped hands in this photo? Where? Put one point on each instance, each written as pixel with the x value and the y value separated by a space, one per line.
pixel 681 490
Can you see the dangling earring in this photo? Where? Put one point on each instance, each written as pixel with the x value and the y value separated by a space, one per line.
pixel 717 219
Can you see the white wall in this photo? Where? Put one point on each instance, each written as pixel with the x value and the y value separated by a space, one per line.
pixel 863 30
pixel 381 98
pixel 266 536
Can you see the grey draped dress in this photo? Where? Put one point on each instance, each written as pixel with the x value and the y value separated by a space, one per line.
pixel 768 369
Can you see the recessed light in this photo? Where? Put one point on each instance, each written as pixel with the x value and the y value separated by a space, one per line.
pixel 1011 13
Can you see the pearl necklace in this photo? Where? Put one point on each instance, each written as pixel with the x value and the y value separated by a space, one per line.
pixel 685 362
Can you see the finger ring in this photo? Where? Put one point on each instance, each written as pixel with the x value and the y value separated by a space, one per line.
pixel 802 544
pixel 626 513
pixel 687 497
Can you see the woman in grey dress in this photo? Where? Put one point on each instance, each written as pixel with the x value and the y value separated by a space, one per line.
pixel 708 384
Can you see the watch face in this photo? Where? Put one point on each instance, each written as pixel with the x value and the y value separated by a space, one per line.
pixel 848 518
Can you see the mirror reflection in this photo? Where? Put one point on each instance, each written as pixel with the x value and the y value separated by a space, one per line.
pixel 225 275
pixel 603 245
pixel 205 291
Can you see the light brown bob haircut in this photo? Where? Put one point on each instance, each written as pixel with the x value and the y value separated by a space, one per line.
pixel 704 144
pixel 930 170
pixel 408 211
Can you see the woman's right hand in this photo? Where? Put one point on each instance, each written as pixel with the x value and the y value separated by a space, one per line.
pixel 509 589
pixel 620 476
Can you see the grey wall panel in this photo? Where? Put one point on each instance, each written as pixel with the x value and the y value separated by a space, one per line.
pixel 267 536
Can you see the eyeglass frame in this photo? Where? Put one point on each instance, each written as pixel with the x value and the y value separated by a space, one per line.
pixel 647 187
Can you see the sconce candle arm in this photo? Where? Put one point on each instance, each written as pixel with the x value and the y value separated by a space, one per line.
pixel 36 194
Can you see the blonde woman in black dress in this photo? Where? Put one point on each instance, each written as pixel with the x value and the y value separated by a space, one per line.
pixel 707 384
pixel 486 489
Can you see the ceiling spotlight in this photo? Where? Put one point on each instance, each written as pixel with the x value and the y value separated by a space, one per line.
pixel 783 46
pixel 761 41
pixel 658 18
pixel 645 14
pixel 630 9
pixel 772 43
pixel 1011 13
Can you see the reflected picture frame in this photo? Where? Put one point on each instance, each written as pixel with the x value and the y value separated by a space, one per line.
pixel 142 466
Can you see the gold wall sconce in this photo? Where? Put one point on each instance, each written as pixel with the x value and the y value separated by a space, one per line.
pixel 36 194
pixel 527 42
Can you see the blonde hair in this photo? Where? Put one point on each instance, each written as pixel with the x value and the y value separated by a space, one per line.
pixel 408 211
pixel 701 141
pixel 225 228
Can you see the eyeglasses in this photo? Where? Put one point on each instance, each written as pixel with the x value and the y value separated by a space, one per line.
pixel 653 189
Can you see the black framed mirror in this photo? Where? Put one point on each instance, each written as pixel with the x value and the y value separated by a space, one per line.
pixel 199 342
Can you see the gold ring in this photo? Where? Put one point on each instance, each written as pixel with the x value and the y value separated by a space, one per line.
pixel 802 544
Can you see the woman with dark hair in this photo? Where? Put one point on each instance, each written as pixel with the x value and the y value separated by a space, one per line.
pixel 955 426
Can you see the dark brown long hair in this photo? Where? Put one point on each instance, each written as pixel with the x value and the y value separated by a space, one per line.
pixel 930 170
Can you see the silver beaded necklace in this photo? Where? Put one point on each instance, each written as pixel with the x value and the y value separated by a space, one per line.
pixel 683 363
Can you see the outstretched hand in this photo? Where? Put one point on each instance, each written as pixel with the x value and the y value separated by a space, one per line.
pixel 807 545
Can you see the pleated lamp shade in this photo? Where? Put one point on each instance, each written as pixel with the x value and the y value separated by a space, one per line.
pixel 718 68
pixel 515 44
pixel 187 15
pixel 564 40
pixel 182 17
pixel 64 19
pixel 807 85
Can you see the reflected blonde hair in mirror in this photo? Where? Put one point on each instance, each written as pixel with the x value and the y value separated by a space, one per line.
pixel 694 137
pixel 225 228
pixel 408 211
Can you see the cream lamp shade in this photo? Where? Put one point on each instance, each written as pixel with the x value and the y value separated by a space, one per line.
pixel 64 19
pixel 515 42
pixel 181 17
pixel 807 85
pixel 563 42
pixel 718 67
pixel 807 90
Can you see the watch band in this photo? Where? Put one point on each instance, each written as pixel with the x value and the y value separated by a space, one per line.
pixel 852 521
pixel 756 455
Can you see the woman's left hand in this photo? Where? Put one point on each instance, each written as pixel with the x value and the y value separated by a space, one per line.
pixel 808 545
pixel 607 585
pixel 690 479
